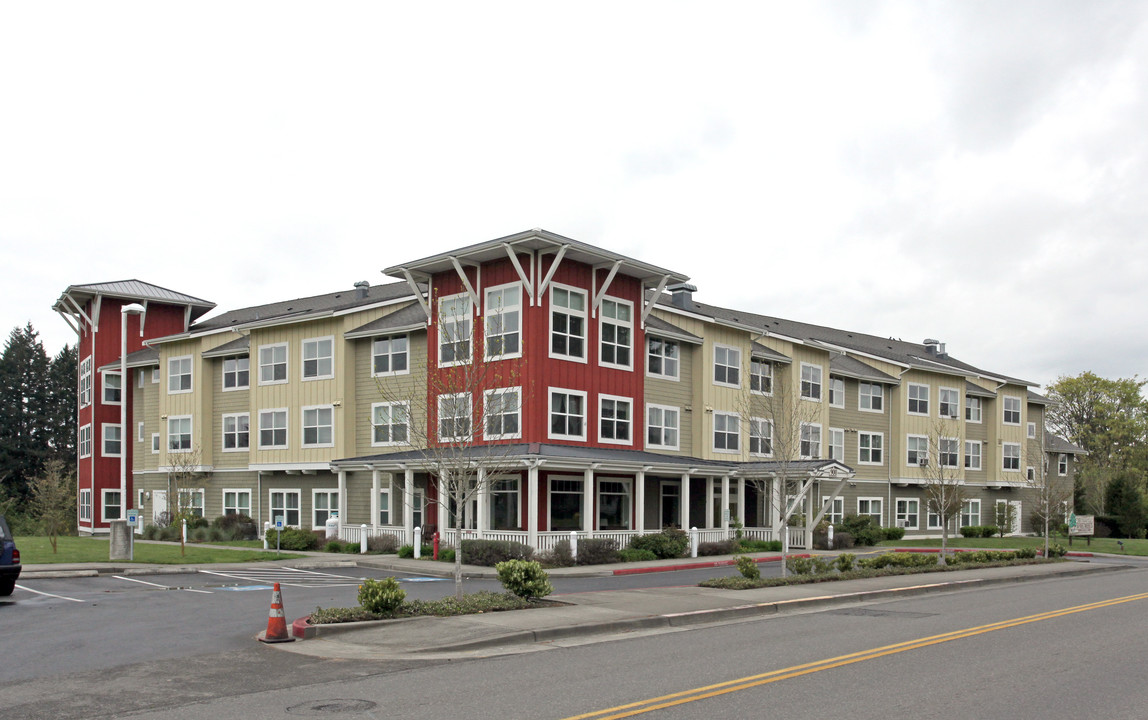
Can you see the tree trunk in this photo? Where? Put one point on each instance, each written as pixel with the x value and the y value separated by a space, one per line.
pixel 459 521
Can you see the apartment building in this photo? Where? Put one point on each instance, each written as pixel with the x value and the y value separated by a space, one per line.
pixel 613 402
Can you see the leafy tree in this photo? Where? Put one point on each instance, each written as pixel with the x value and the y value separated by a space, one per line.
pixel 24 403
pixel 1125 503
pixel 53 501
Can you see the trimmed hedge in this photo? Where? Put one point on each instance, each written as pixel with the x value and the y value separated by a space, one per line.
pixel 671 542
pixel 488 553
pixel 292 539
pixel 979 531
pixel 597 551
pixel 720 547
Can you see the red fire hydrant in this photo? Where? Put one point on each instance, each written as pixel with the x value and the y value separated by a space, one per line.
pixel 436 546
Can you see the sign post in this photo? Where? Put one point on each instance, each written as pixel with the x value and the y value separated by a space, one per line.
pixel 278 533
pixel 1081 525
pixel 133 522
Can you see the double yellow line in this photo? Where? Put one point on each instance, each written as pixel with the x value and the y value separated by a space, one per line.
pixel 708 691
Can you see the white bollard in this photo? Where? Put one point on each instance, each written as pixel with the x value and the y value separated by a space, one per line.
pixel 829 537
pixel 418 542
pixel 574 544
pixel 363 539
pixel 185 530
pixel 266 529
pixel 694 542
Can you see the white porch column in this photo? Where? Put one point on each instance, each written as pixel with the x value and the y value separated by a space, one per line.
pixel 342 500
pixel 532 506
pixel 810 510
pixel 482 521
pixel 374 498
pixel 443 499
pixel 776 503
pixel 684 500
pixel 741 513
pixel 588 523
pixel 391 520
pixel 725 503
pixel 408 505
pixel 640 499
pixel 709 503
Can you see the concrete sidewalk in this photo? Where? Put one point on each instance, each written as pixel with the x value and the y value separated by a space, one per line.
pixel 597 616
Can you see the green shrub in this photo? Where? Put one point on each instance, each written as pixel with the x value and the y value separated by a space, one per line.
pixel 845 562
pixel 821 565
pixel 195 521
pixel 381 596
pixel 1027 553
pixel 236 527
pixel 799 565
pixel 862 528
pixel 903 559
pixel 597 551
pixel 671 542
pixel 198 535
pixel 407 551
pixel 842 540
pixel 894 533
pixel 382 544
pixel 1056 550
pixel 445 554
pixel 488 553
pixel 719 547
pixel 560 555
pixel 632 555
pixel 293 539
pixel 333 546
pixel 747 545
pixel 524 578
pixel 150 532
pixel 214 534
pixel 747 567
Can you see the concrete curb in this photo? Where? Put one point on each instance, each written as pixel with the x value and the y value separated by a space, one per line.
pixel 698 565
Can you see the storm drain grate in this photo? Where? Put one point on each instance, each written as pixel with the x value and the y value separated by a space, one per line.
pixel 331 707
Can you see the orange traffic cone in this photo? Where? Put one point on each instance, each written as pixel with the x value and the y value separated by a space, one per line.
pixel 276 621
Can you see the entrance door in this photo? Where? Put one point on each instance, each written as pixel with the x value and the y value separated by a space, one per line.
pixel 1016 525
pixel 158 505
pixel 671 503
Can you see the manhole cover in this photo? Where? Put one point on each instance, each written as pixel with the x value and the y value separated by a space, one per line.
pixel 331 707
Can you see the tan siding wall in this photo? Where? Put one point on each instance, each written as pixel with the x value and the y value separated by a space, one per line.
pixel 145 408
pixel 370 390
pixel 854 421
pixel 232 401
pixel 660 391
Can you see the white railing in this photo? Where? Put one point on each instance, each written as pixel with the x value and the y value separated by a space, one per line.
pixel 755 533
pixel 353 533
pixel 798 538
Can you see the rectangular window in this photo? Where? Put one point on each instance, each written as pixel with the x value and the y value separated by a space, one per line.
pixel 85 440
pixel 113 388
pixel 760 377
pixel 236 373
pixel 835 513
pixel 273 430
pixel 565 504
pixel 140 432
pixel 179 375
pixel 155 443
pixel 870 507
pixel 761 437
pixel 662 427
pixel 727 432
pixel 86 382
pixel 390 423
pixel 503 322
pixel 1030 473
pixel 836 392
pixel 568 414
pixel 1062 464
pixel 1032 431
pixel 933 520
pixel 616 333
pixel 237 502
pixel 950 451
pixel 505 510
pixel 567 323
pixel 454 329
pixel 418 508
pixel 837 444
pixel 454 417
pixel 870 448
pixel 1010 456
pixel 384 506
pixel 86 506
pixel 273 364
pixel 917 451
pixel 389 356
pixel 179 434
pixel 971 513
pixel 236 432
pixel 112 506
pixel 810 382
pixel 662 358
pixel 810 441
pixel 191 501
pixel 972 409
pixel 113 441
pixel 318 358
pixel 324 505
pixel 908 513
pixel 918 399
pixel 949 402
pixel 502 414
pixel 613 504
pixel 319 426
pixel 972 454
pixel 870 397
pixel 615 420
pixel 140 378
pixel 285 506
pixel 155 376
pixel 1011 410
pixel 727 366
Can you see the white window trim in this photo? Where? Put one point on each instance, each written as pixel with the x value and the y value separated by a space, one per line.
pixel 1030 431
pixel 393 404
pixel 328 492
pixel 155 376
pixel 880 502
pixel 271 509
pixel 830 444
pixel 517 492
pixel 470 415
pixel 880 387
pixel 488 311
pixel 602 320
pixel 896 514
pixel 550 412
pixel 104 388
pixel 191 433
pixel 468 316
pixel 761 422
pixel 883 449
pixel 550 492
pixel 223 499
pixel 385 491
pixel 140 378
pixel 90 440
pixel 303 426
pixel 85 506
pixel 820 440
pixel 286 363
pixel 676 377
pixel 820 382
pixel 958 405
pixel 286 429
pixel 391 373
pixel 957 442
pixel 1018 468
pixel 928 450
pixel 831 514
pixel 104 505
pixel 677 428
pixel 841 401
pixel 629 494
pixel 104 427
pixel 970 502
pixel 1059 473
pixel 980 455
pixel 980 409
pixel 190 374
pixel 303 360
pixel 486 395
pixel 715 364
pixel 85 390
pixel 223 374
pixel 1004 409
pixel 155 443
pixel 584 314
pixel 140 434
pixel 598 425
pixel 223 432
pixel 928 399
pixel 769 366
pixel 714 431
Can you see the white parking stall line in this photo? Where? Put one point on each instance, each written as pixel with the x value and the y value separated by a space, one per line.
pixel 61 597
pixel 291 577
pixel 163 587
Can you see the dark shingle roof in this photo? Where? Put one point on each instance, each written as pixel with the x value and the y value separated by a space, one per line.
pixel 302 307
pixel 851 367
pixel 1057 444
pixel 978 391
pixel 140 358
pixel 406 319
pixel 661 328
pixel 239 346
pixel 761 351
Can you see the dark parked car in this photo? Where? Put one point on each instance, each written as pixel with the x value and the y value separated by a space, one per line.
pixel 9 560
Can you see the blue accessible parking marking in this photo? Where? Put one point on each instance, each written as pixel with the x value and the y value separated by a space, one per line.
pixel 422 579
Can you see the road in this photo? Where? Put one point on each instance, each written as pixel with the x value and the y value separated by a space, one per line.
pixel 1062 648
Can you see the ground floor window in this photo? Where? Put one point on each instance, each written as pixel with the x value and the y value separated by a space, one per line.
pixel 385 506
pixel 565 504
pixel 191 501
pixel 908 511
pixel 835 511
pixel 505 513
pixel 285 506
pixel 871 507
pixel 671 503
pixel 324 505
pixel 733 509
pixel 614 505
pixel 237 502
pixel 418 502
pixel 85 506
pixel 971 513
pixel 112 505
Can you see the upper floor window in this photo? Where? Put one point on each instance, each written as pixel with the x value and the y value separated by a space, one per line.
pixel 502 413
pixel 1010 456
pixel 918 399
pixel 615 418
pixel 837 444
pixel 85 441
pixel 760 377
pixel 236 373
pixel 662 357
pixel 273 364
pixel 727 432
pixel 662 427
pixel 950 452
pixel 454 329
pixel 870 397
pixel 870 448
pixel 318 426
pixel 972 454
pixel 503 321
pixel 972 409
pixel 1011 410
pixel 567 322
pixel 179 374
pixel 837 392
pixel 615 325
pixel 917 451
pixel 179 434
pixel 568 414
pixel 727 366
pixel 113 388
pixel 949 402
pixel 86 382
pixel 810 382
pixel 390 423
pixel 236 432
pixel 318 358
pixel 810 440
pixel 273 429
pixel 761 437
pixel 113 440
pixel 1032 431
pixel 1062 464
pixel 454 417
pixel 389 356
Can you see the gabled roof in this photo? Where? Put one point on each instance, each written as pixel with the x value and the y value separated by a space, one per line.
pixel 659 327
pixel 140 358
pixel 758 350
pixel 134 290
pixel 1038 399
pixel 978 391
pixel 1057 444
pixel 851 367
pixel 239 346
pixel 410 318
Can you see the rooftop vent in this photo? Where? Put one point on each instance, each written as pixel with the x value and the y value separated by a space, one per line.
pixel 934 347
pixel 682 295
pixel 363 287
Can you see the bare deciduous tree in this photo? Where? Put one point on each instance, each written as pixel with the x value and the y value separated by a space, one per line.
pixel 185 475
pixel 943 479
pixel 1050 496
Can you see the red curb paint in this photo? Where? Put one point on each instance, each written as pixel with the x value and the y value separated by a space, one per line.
pixel 697 565
pixel 300 625
pixel 1079 554
pixel 930 550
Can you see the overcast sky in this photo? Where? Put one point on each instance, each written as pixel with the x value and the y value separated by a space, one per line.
pixel 973 172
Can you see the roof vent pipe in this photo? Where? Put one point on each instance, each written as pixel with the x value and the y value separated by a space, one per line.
pixel 682 295
pixel 931 345
pixel 363 287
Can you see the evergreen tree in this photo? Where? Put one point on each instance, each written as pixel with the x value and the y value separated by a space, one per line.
pixel 24 404
pixel 1125 504
pixel 61 416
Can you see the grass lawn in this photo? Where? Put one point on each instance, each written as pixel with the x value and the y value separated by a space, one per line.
pixel 35 549
pixel 1100 545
